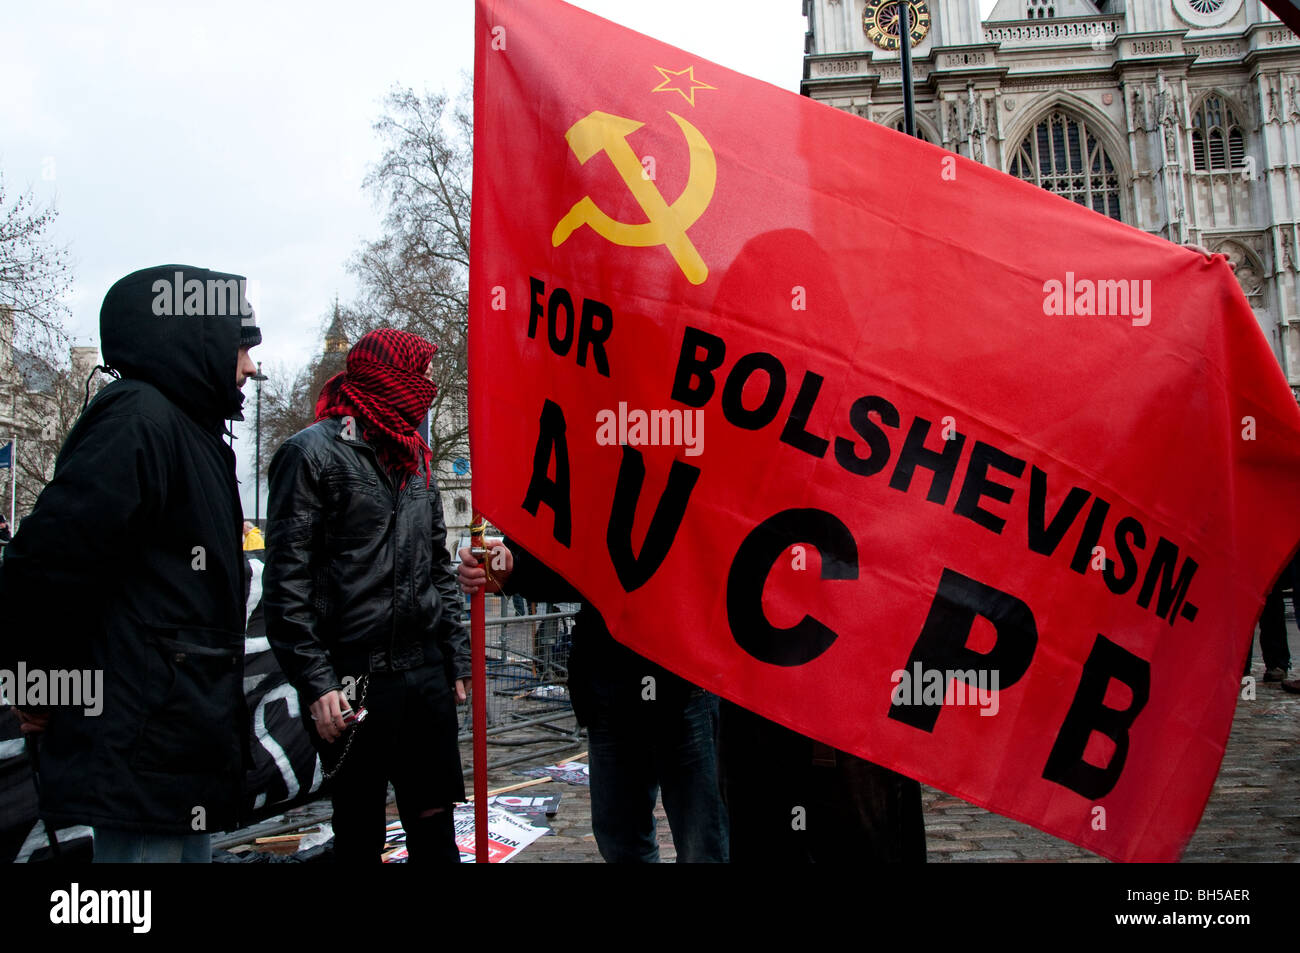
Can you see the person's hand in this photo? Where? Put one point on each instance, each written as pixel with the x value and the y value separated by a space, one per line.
pixel 462 690
pixel 472 576
pixel 328 711
pixel 30 723
pixel 1209 254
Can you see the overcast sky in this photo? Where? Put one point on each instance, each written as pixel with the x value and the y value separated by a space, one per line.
pixel 235 135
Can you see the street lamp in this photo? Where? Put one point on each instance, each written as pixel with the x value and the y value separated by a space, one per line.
pixel 257 465
pixel 905 62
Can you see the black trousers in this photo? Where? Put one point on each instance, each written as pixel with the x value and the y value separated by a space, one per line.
pixel 794 800
pixel 408 738
pixel 1272 621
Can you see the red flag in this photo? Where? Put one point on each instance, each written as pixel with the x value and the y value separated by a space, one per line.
pixel 883 444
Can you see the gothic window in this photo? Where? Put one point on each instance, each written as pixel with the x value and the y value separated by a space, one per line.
pixel 920 133
pixel 1063 156
pixel 1207 13
pixel 1218 142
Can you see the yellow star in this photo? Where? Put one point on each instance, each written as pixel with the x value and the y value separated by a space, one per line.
pixel 673 83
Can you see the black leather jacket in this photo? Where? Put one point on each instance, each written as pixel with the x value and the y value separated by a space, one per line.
pixel 358 577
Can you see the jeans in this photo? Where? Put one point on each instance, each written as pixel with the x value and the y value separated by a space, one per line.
pixel 128 847
pixel 636 752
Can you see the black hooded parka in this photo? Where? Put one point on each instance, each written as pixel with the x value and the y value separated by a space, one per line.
pixel 131 564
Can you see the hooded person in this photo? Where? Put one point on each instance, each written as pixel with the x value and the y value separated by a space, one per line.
pixel 129 573
pixel 361 607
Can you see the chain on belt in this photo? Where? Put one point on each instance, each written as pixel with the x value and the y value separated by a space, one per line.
pixel 364 683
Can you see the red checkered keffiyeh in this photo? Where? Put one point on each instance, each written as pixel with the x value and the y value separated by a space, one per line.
pixel 385 389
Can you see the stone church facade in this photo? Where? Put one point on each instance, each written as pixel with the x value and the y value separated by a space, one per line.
pixel 1179 117
pixel 38 403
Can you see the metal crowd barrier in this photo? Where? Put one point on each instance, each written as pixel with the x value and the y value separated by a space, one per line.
pixel 527 684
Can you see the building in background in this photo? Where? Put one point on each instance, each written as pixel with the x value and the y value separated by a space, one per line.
pixel 39 402
pixel 334 358
pixel 453 477
pixel 1179 117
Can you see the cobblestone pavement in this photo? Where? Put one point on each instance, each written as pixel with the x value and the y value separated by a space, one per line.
pixel 1253 813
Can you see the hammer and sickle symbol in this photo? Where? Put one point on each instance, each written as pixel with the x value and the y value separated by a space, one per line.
pixel 601 132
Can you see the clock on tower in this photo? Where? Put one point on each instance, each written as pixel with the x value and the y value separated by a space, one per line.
pixel 880 22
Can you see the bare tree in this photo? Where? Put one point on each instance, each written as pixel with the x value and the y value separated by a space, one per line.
pixel 424 177
pixel 415 277
pixel 34 274
pixel 287 404
pixel 289 400
pixel 50 409
pixel 40 393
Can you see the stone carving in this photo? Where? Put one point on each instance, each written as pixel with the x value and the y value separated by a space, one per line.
pixel 974 118
pixel 1173 107
pixel 1248 275
pixel 1142 118
pixel 975 123
pixel 1051 30
pixel 1167 113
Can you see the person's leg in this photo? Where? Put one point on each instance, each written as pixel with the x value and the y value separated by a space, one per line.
pixel 197 849
pixel 359 799
pixel 1272 637
pixel 359 786
pixel 424 763
pixel 875 814
pixel 1293 571
pixel 119 847
pixel 430 832
pixel 764 775
pixel 129 847
pixel 685 747
pixel 1292 576
pixel 623 789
